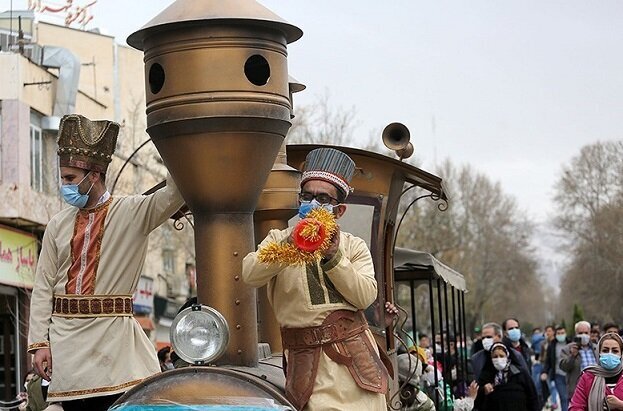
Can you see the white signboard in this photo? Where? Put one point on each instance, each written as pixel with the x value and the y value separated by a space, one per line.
pixel 144 295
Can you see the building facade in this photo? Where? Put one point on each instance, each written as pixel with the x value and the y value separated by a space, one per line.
pixel 47 71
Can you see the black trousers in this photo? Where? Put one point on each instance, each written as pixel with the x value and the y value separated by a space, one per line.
pixel 91 404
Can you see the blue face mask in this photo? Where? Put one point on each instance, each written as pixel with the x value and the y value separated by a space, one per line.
pixel 71 194
pixel 307 206
pixel 609 360
pixel 514 335
pixel 561 338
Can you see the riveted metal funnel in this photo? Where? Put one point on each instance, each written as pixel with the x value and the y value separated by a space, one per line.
pixel 218 109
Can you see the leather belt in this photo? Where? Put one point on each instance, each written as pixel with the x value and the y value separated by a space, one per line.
pixel 343 339
pixel 343 328
pixel 92 306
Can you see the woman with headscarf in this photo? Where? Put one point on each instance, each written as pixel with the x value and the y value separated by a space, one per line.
pixel 600 387
pixel 505 386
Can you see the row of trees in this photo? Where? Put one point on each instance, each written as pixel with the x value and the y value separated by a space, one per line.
pixel 484 236
pixel 589 200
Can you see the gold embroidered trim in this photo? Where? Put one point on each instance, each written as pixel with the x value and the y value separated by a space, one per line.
pixel 98 245
pixel 72 305
pixel 96 208
pixel 98 241
pixel 93 390
pixel 38 345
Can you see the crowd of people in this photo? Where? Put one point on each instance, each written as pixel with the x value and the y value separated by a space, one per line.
pixel 509 370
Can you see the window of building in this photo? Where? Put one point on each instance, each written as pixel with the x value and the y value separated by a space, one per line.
pixel 7 40
pixel 168 261
pixel 36 152
pixel 51 171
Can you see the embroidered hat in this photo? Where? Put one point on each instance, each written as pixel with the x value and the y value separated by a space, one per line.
pixel 86 144
pixel 330 165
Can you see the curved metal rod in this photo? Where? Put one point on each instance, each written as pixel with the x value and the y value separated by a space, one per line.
pixel 432 196
pixel 391 207
pixel 394 402
pixel 179 225
pixel 112 190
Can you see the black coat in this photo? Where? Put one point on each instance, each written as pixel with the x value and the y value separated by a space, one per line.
pixel 517 394
pixel 549 367
pixel 526 351
pixel 482 360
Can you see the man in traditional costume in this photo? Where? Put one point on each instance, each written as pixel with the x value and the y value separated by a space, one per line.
pixel 82 331
pixel 332 358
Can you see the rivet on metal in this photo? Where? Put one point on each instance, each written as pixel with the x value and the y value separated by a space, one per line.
pixel 239 352
pixel 236 277
pixel 238 326
pixel 235 253
pixel 237 302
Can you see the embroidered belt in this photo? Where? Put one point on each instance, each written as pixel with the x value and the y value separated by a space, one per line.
pixel 92 306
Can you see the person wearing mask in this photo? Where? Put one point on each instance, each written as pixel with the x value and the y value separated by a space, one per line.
pixel 476 340
pixel 91 258
pixel 505 387
pixel 329 294
pixel 414 399
pixel 578 355
pixel 550 396
pixel 537 368
pixel 552 370
pixel 491 334
pixel 514 340
pixel 601 387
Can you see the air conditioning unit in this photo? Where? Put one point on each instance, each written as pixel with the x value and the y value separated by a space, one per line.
pixel 34 53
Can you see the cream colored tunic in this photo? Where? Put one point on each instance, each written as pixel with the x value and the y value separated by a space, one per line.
pixel 303 296
pixel 103 355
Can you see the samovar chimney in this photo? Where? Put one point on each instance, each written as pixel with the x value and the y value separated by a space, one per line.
pixel 218 109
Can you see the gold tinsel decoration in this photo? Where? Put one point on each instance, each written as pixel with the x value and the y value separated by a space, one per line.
pixel 316 229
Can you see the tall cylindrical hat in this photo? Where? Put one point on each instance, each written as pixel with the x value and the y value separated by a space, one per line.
pixel 86 144
pixel 330 165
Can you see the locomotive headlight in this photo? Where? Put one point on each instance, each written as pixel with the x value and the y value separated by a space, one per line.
pixel 199 334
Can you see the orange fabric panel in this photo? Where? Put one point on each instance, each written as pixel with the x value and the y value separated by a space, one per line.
pixel 85 249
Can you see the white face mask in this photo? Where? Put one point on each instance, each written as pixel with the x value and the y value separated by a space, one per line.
pixel 584 339
pixel 487 343
pixel 499 363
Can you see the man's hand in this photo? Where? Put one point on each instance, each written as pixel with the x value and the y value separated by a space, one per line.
pixel 574 350
pixel 488 389
pixel 391 312
pixel 544 377
pixel 43 363
pixel 335 245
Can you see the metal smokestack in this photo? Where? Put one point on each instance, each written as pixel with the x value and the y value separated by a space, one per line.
pixel 218 109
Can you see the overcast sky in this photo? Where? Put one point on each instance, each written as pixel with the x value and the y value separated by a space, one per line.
pixel 513 87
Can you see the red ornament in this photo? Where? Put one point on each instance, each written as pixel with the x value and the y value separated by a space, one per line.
pixel 309 234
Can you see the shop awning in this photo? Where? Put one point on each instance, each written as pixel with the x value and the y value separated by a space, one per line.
pixel 417 265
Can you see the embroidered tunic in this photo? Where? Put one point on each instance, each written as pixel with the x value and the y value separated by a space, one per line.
pixel 303 296
pixel 90 262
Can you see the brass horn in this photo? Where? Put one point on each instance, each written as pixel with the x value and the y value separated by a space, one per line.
pixel 396 137
pixel 405 152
